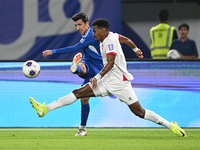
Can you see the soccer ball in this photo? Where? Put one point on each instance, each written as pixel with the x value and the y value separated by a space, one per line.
pixel 173 54
pixel 31 69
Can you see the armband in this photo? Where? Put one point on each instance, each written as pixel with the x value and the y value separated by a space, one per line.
pixel 135 49
pixel 98 76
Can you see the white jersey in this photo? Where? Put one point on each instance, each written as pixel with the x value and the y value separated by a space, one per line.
pixel 117 80
pixel 111 45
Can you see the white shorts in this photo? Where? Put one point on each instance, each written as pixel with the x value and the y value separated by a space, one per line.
pixel 122 90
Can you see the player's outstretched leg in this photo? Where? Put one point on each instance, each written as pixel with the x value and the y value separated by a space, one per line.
pixel 63 101
pixel 177 130
pixel 40 108
pixel 137 109
pixel 77 58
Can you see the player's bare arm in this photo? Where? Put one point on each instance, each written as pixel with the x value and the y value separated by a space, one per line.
pixel 127 41
pixel 131 44
pixel 47 53
pixel 108 67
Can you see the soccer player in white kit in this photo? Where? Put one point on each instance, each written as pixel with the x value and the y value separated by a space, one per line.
pixel 113 79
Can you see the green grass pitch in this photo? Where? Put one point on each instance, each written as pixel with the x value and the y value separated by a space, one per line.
pixel 97 139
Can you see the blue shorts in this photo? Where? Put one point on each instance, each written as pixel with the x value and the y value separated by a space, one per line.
pixel 93 68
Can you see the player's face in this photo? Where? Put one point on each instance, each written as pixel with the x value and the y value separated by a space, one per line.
pixel 81 26
pixel 97 33
pixel 183 32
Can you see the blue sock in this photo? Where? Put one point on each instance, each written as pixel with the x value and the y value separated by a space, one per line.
pixel 85 109
pixel 78 69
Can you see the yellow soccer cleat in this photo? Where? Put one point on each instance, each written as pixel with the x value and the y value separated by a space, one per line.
pixel 40 108
pixel 177 130
pixel 77 58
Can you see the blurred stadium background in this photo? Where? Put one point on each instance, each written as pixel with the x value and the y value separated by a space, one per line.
pixel 28 27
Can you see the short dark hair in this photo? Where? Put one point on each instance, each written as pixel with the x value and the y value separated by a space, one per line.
pixel 184 25
pixel 81 16
pixel 163 15
pixel 101 23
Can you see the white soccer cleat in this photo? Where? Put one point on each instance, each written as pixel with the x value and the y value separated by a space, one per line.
pixel 77 58
pixel 81 132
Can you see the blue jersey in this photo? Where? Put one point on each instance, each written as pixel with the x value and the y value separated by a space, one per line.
pixel 186 48
pixel 91 54
pixel 87 43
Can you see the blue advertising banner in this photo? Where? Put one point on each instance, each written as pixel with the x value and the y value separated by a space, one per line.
pixel 28 27
pixel 169 88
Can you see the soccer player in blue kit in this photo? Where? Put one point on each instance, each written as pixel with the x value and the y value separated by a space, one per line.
pixel 91 63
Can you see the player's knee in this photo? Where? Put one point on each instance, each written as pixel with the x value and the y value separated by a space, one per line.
pixel 76 93
pixel 140 113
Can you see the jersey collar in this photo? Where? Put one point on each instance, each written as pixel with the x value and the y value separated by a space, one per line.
pixel 105 37
pixel 86 33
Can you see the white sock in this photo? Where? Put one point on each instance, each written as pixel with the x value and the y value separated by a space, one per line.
pixel 82 127
pixel 66 100
pixel 150 115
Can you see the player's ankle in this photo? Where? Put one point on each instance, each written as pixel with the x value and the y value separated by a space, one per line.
pixel 82 127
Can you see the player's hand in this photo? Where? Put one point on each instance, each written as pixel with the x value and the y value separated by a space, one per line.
pixel 93 82
pixel 139 53
pixel 47 52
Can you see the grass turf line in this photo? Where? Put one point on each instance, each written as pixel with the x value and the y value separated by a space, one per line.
pixel 97 139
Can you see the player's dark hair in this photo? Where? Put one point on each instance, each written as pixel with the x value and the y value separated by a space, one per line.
pixel 184 25
pixel 163 15
pixel 81 16
pixel 101 23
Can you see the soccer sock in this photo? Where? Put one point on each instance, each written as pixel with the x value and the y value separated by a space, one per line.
pixel 66 100
pixel 78 69
pixel 85 109
pixel 150 115
pixel 82 127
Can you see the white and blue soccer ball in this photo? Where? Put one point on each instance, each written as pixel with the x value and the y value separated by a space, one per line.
pixel 31 69
pixel 173 54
